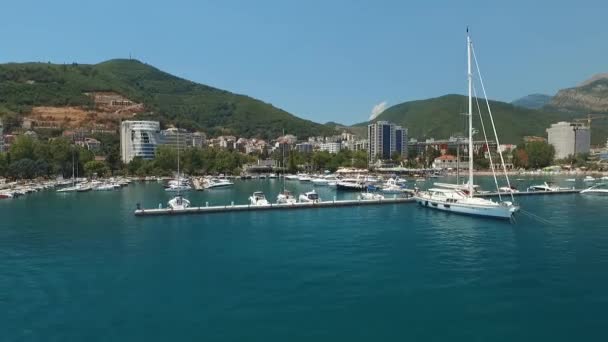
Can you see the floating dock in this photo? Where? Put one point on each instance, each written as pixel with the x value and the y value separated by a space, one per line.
pixel 247 207
pixel 325 204
pixel 530 193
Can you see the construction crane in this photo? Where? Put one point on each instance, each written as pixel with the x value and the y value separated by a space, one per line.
pixel 591 117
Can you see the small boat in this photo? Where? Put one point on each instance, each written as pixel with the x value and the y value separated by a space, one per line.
pixel 546 186
pixel 304 178
pixel 351 184
pixel 258 199
pixel 178 203
pixel 589 179
pixel 217 183
pixel 286 197
pixel 272 176
pixel 604 178
pixel 291 177
pixel 320 181
pixel 105 187
pixel 310 197
pixel 571 180
pixel 4 195
pixel 598 189
pixel 369 196
pixel 508 189
pixel 391 187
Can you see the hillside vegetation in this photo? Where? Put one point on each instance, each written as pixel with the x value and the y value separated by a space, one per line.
pixel 440 118
pixel 167 98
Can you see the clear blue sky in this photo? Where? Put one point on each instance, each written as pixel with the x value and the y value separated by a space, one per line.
pixel 323 60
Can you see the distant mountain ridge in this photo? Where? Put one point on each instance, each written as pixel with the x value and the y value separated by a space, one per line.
pixel 165 97
pixel 533 101
pixel 440 118
pixel 591 96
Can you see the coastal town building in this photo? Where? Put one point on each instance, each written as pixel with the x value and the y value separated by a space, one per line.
pixel 304 147
pixel 569 138
pixel 139 139
pixel 385 138
pixel 331 147
pixel 90 144
pixel 181 138
pixel 449 162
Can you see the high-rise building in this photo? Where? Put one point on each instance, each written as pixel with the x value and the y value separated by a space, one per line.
pixel 139 139
pixel 569 138
pixel 401 141
pixel 385 138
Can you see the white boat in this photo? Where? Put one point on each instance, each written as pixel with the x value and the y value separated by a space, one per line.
pixel 391 187
pixel 508 189
pixel 589 179
pixel 454 199
pixel 304 178
pixel 6 194
pixel 571 180
pixel 286 197
pixel 217 183
pixel 179 184
pixel 351 184
pixel 546 186
pixel 258 199
pixel 105 187
pixel 178 203
pixel 310 197
pixel 598 189
pixel 370 196
pixel 291 177
pixel 457 201
pixel 320 181
pixel 272 176
pixel 604 178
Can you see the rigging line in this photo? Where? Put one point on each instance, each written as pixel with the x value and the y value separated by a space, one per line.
pixel 492 121
pixel 483 128
pixel 536 217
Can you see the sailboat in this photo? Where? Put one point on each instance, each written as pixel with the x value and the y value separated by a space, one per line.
pixel 458 198
pixel 178 202
pixel 285 197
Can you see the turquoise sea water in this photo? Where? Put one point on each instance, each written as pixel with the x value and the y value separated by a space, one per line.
pixel 76 267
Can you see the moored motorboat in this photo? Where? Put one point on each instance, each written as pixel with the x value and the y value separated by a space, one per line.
pixel 598 189
pixel 178 203
pixel 370 196
pixel 310 197
pixel 217 183
pixel 258 199
pixel 286 197
pixel 546 186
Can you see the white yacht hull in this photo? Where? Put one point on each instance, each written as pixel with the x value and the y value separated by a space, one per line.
pixel 494 211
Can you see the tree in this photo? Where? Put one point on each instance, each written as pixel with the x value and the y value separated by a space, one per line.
pixel 520 157
pixel 95 167
pixel 23 148
pixel 540 154
pixel 3 164
pixel 396 157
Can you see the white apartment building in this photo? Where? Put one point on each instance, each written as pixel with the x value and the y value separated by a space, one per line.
pixel 569 138
pixel 331 147
pixel 139 139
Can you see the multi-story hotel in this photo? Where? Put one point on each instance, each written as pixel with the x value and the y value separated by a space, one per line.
pixel 139 139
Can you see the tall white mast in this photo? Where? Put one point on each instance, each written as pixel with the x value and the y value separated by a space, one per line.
pixel 470 78
pixel 179 181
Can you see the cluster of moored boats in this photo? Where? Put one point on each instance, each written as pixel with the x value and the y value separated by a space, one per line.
pixel 16 189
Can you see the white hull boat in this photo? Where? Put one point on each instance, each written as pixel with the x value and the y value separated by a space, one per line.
pixel 310 197
pixel 258 199
pixel 599 189
pixel 178 203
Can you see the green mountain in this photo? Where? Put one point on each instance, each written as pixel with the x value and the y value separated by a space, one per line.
pixel 533 101
pixel 167 98
pixel 440 118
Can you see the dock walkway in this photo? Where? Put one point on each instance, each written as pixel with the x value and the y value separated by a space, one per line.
pixel 325 204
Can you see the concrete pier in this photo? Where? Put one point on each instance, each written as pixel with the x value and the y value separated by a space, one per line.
pixel 325 204
pixel 247 207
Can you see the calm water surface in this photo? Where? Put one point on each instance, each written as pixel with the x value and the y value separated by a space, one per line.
pixel 77 267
